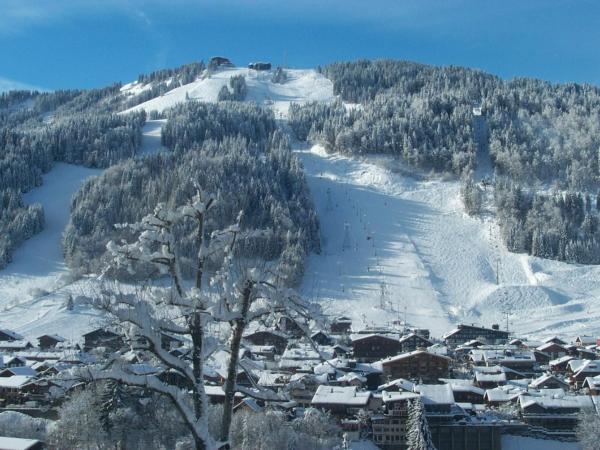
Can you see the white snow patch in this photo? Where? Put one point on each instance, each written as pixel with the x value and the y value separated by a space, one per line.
pixel 302 86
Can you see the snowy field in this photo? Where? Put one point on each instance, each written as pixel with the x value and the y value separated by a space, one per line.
pixel 303 85
pixel 395 246
pixel 35 286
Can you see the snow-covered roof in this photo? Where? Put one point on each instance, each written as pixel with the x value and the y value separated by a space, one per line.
pixel 502 356
pixel 501 394
pixel 21 370
pixel 411 354
pixel 217 391
pixel 397 396
pixel 588 367
pixel 548 345
pixel 577 364
pixel 568 401
pixel 268 378
pixel 341 395
pixel 556 339
pixel 412 335
pixel 400 383
pixel 260 348
pixel 55 337
pixel 15 381
pixel 592 381
pixel 482 377
pixel 460 385
pixel 12 334
pixel 435 394
pixel 361 337
pixel 250 403
pixel 352 376
pixel 438 349
pixel 463 327
pixel 316 333
pixel 12 443
pixel 18 344
pixel 544 378
pixel 586 340
pixel 342 319
pixel 306 351
pixel 472 343
pixel 561 360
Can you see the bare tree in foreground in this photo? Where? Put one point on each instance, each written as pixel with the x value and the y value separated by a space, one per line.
pixel 187 312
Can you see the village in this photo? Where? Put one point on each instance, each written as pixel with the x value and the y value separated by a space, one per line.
pixel 476 383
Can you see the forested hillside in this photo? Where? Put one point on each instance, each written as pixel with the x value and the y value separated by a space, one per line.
pixel 538 131
pixel 539 134
pixel 230 148
pixel 79 127
pixel 58 127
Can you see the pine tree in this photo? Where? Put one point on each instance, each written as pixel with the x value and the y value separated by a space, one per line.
pixel 418 435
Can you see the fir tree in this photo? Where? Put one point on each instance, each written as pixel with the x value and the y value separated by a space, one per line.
pixel 418 435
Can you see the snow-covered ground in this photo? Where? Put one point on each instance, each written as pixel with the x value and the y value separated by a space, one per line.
pixel 35 286
pixel 394 245
pixel 38 265
pixel 303 85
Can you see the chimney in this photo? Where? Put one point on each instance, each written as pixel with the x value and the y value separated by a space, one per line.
pixel 495 326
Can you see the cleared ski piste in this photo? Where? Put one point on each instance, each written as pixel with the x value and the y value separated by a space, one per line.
pixel 35 285
pixel 409 250
pixel 414 253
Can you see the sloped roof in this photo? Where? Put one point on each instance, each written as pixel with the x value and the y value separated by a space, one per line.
pixel 15 381
pixel 340 395
pixel 362 337
pixel 549 345
pixel 459 385
pixel 435 394
pixel 12 334
pixel 410 355
pixel 396 396
pixel 56 337
pixel 546 377
pixel 568 401
pixel 412 335
pixel 401 383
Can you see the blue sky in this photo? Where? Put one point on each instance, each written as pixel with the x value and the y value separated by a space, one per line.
pixel 89 43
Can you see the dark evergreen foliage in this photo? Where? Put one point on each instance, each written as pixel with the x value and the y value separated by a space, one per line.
pixel 538 131
pixel 557 226
pixel 238 90
pixel 232 149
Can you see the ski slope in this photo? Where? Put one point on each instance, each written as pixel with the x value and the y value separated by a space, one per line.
pixel 303 85
pixel 35 285
pixel 396 244
pixel 399 246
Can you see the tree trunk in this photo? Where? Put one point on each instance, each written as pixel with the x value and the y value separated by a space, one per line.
pixel 199 443
pixel 200 260
pixel 197 334
pixel 234 349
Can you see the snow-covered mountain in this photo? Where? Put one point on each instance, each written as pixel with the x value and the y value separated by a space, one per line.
pixel 396 244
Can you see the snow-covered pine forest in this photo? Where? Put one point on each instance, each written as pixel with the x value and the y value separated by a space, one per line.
pixel 538 136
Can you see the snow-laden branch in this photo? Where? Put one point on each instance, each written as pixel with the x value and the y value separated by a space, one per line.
pixel 198 425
